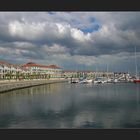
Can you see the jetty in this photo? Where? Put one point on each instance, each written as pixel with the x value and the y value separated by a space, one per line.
pixel 13 85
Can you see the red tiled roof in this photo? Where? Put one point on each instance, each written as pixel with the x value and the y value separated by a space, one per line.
pixel 5 63
pixel 31 64
pixel 54 66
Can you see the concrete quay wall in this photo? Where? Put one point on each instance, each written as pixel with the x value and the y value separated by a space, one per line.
pixel 23 84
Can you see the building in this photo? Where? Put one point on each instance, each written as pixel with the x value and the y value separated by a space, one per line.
pixel 54 71
pixel 28 71
pixel 43 71
pixel 89 74
pixel 78 74
pixel 9 71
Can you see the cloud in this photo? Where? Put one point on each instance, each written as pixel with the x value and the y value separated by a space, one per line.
pixel 70 38
pixel 55 49
pixel 25 30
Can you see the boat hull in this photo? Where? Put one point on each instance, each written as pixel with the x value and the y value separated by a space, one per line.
pixel 86 81
pixel 137 81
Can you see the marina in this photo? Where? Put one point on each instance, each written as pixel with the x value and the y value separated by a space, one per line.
pixel 70 70
pixel 118 78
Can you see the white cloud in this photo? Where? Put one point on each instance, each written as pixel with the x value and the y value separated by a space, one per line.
pixel 26 30
pixel 55 49
pixel 3 51
pixel 79 35
pixel 24 45
pixel 44 30
pixel 62 29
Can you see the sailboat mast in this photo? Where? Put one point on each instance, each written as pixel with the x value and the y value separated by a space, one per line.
pixel 137 80
pixel 136 63
pixel 107 74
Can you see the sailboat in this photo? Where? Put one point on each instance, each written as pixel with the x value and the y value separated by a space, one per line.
pixel 137 80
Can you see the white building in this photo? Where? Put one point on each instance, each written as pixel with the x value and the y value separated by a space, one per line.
pixel 30 70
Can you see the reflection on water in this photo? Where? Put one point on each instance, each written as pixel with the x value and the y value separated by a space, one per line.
pixel 64 105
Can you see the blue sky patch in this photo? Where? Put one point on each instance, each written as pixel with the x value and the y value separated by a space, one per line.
pixel 91 29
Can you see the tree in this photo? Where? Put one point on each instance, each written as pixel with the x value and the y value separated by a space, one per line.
pixel 17 75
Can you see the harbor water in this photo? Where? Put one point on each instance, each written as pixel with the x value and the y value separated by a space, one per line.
pixel 65 105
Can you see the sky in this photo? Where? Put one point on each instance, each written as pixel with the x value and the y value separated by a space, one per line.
pixel 72 40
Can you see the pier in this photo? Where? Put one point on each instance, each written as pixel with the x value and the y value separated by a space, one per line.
pixel 7 86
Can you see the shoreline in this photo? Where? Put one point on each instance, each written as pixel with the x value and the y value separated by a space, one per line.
pixel 13 85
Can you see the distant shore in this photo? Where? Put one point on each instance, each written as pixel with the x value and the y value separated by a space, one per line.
pixel 9 85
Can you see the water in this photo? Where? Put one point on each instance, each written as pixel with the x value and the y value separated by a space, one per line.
pixel 64 105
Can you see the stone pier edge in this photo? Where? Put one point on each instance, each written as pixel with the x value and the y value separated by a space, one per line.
pixel 4 87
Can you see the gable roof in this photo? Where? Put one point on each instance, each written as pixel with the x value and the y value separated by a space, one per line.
pixel 32 64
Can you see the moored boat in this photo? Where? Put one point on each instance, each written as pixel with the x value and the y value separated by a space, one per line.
pixel 86 81
pixel 89 80
pixel 98 80
pixel 136 80
pixel 75 80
